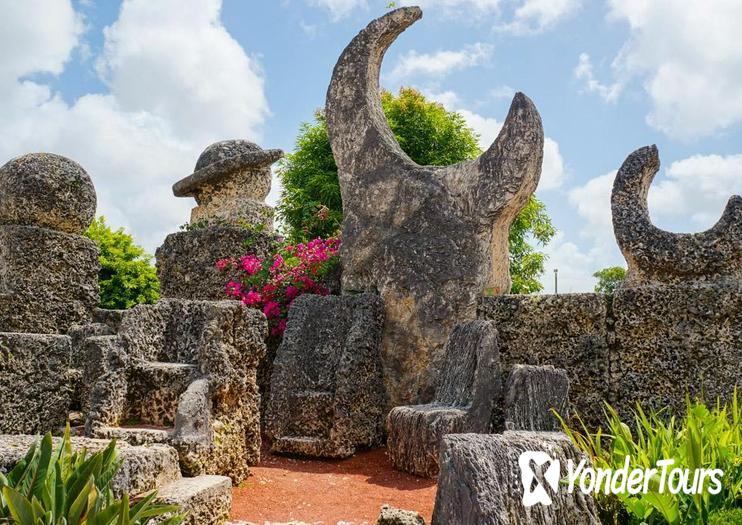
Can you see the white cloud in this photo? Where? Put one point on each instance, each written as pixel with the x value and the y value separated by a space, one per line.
pixel 177 81
pixel 687 54
pixel 461 5
pixel 534 16
pixel 694 191
pixel 440 63
pixel 339 9
pixel 584 72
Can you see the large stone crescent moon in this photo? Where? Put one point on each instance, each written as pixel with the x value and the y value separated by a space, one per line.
pixel 656 255
pixel 360 135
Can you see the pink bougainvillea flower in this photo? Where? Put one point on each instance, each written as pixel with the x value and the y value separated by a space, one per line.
pixel 277 263
pixel 251 264
pixel 234 288
pixel 223 263
pixel 291 292
pixel 251 298
pixel 272 309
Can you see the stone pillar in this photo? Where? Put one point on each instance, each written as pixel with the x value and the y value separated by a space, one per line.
pixel 48 283
pixel 48 269
pixel 230 182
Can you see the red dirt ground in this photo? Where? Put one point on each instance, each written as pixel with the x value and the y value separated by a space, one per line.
pixel 324 492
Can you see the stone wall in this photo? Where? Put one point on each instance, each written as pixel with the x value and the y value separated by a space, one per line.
pixel 34 383
pixel 649 344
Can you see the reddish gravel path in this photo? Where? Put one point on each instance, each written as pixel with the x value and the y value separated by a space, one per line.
pixel 327 491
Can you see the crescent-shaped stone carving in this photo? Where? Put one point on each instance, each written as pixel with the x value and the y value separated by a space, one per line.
pixel 430 239
pixel 658 256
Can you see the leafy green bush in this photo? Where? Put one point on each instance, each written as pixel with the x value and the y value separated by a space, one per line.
pixel 726 517
pixel 708 438
pixel 62 487
pixel 609 279
pixel 126 277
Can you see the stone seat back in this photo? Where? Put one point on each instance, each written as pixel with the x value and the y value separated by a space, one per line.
pixel 468 390
pixel 327 393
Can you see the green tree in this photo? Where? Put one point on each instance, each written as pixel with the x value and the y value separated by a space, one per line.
pixel 126 277
pixel 609 279
pixel 311 205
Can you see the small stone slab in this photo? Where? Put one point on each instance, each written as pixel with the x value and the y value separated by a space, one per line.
pixel 480 481
pixel 207 500
pixel 143 468
pixel 530 395
pixel 35 390
pixel 393 516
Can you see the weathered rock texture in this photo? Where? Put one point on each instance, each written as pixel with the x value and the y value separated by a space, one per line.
pixel 46 190
pixel 34 382
pixel 673 339
pixel 230 182
pixel 569 331
pixel 531 393
pixel 188 367
pixel 327 395
pixel 186 260
pixel 429 239
pixel 657 256
pixel 48 279
pixel 480 481
pixel 468 390
pixel 391 516
pixel 650 344
pixel 205 499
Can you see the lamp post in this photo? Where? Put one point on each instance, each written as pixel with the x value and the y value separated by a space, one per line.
pixel 556 281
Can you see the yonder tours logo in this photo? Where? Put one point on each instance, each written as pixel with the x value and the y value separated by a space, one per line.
pixel 661 478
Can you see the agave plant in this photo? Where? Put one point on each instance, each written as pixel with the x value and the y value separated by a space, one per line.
pixel 66 487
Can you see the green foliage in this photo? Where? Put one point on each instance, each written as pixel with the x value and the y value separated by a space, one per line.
pixel 527 264
pixel 708 438
pixel 609 279
pixel 126 277
pixel 311 204
pixel 62 487
pixel 726 517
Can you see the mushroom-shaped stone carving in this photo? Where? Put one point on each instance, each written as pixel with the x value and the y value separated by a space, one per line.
pixel 230 182
pixel 46 190
pixel 657 256
pixel 430 239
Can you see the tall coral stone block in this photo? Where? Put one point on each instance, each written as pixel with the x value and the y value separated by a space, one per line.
pixel 48 279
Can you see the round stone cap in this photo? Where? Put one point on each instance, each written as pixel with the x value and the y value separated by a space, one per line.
pixel 222 158
pixel 47 190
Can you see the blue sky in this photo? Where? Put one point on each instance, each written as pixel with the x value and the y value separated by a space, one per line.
pixel 135 90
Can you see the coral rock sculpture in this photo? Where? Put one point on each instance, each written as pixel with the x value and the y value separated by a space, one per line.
pixel 481 481
pixel 182 373
pixel 468 389
pixel 230 182
pixel 531 393
pixel 657 256
pixel 430 239
pixel 48 270
pixel 327 395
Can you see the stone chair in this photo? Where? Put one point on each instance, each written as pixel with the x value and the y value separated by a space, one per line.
pixel 327 393
pixel 183 373
pixel 468 387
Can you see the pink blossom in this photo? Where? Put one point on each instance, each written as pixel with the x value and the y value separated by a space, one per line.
pixel 272 309
pixel 251 298
pixel 251 264
pixel 223 263
pixel 277 263
pixel 291 292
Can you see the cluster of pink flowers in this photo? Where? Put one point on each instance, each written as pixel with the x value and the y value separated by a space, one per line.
pixel 273 283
